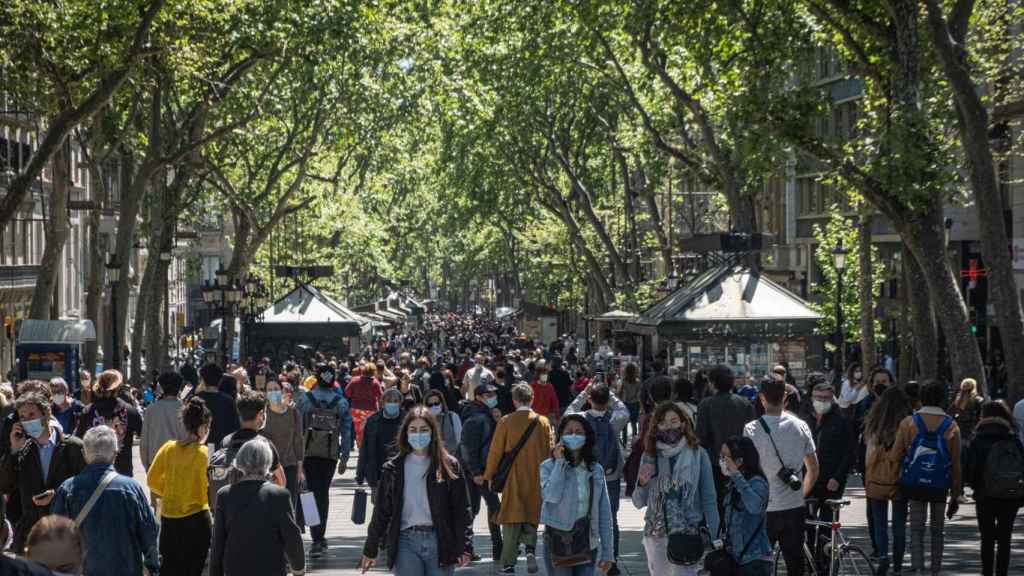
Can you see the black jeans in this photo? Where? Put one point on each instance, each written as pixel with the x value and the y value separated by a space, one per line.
pixel 291 482
pixel 787 528
pixel 185 544
pixel 614 491
pixel 995 521
pixel 493 504
pixel 319 474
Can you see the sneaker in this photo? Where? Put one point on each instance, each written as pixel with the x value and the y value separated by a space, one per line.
pixel 614 570
pixel 508 570
pixel 317 549
pixel 531 563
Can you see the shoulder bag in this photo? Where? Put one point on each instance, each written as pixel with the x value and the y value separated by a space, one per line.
pixel 720 562
pixel 684 548
pixel 508 458
pixel 104 482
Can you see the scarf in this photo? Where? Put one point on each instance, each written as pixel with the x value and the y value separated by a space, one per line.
pixel 677 489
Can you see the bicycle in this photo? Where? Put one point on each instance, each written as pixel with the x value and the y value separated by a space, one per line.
pixel 839 557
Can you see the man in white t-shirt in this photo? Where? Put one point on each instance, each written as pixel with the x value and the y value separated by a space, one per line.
pixel 784 441
pixel 472 378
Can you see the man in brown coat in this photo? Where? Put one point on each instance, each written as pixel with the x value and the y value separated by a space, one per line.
pixel 521 498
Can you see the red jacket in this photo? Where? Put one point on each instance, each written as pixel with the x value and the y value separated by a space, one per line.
pixel 545 401
pixel 365 393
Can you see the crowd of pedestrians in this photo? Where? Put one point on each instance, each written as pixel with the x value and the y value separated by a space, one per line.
pixel 466 416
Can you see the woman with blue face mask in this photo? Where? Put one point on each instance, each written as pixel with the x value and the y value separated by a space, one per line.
pixel 422 512
pixel 378 445
pixel 449 421
pixel 576 511
pixel 285 432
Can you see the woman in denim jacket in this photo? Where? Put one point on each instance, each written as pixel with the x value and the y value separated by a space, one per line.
pixel 676 486
pixel 746 505
pixel 573 487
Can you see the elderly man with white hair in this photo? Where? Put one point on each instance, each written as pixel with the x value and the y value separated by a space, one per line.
pixel 111 510
pixel 255 530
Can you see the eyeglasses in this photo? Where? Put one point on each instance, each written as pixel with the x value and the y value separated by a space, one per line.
pixel 432 404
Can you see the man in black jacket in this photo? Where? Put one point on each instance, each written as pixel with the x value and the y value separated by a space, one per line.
pixel 562 382
pixel 222 406
pixel 720 417
pixel 835 443
pixel 379 439
pixel 477 430
pixel 41 459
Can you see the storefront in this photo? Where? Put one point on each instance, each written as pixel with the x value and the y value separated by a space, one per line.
pixel 730 315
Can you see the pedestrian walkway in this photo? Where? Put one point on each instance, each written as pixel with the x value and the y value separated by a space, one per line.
pixel 346 539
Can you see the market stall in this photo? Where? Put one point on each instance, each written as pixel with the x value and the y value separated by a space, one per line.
pixel 732 315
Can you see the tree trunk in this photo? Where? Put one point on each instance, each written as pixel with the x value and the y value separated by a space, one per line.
pixel 142 304
pixel 561 209
pixel 159 217
pixel 926 240
pixel 659 230
pixel 921 321
pixel 56 237
pixel 973 124
pixel 621 276
pixel 867 297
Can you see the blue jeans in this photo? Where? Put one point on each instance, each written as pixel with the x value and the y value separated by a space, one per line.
pixel 582 570
pixel 880 526
pixel 614 486
pixel 417 555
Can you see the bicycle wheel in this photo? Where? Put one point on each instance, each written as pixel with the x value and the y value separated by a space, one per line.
pixel 854 562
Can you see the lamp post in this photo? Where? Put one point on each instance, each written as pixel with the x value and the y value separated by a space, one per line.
pixel 222 297
pixel 114 277
pixel 254 300
pixel 839 260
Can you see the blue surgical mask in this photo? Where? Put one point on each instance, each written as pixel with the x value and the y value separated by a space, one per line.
pixel 391 409
pixel 574 441
pixel 419 440
pixel 275 396
pixel 435 410
pixel 491 402
pixel 33 428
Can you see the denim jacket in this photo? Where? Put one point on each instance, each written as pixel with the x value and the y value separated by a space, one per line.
pixel 304 402
pixel 120 531
pixel 745 516
pixel 558 510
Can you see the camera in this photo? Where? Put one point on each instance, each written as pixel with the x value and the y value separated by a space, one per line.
pixel 790 478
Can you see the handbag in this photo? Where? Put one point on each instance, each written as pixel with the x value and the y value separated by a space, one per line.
pixel 684 548
pixel 720 562
pixel 359 507
pixel 500 476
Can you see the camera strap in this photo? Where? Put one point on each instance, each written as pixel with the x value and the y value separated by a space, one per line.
pixel 769 432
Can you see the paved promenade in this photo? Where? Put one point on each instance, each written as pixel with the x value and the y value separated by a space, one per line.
pixel 346 539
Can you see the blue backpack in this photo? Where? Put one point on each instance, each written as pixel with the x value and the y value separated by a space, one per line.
pixel 606 442
pixel 927 463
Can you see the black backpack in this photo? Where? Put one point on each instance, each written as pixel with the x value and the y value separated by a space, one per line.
pixel 323 430
pixel 1004 471
pixel 220 472
pixel 606 442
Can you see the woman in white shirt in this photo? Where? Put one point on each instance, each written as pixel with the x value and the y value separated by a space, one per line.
pixel 422 512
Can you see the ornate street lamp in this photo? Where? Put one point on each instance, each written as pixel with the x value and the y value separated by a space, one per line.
pixel 839 254
pixel 254 301
pixel 114 277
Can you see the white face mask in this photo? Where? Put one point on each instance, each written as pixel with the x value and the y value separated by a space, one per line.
pixel 822 407
pixel 59 399
pixel 544 377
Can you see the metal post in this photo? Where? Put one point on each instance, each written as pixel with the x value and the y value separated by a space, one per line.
pixel 840 344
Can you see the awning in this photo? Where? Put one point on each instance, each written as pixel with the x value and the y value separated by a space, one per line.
pixel 729 301
pixel 56 331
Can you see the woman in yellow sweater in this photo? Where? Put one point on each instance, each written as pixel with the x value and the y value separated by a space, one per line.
pixel 178 477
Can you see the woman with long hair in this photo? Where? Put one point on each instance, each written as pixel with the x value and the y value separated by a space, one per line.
pixel 575 501
pixel 996 513
pixel 451 424
pixel 966 409
pixel 676 486
pixel 882 475
pixel 422 511
pixel 746 506
pixel 285 431
pixel 178 477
